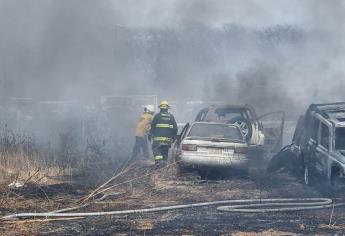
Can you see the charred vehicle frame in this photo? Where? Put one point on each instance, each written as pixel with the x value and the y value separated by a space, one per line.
pixel 264 132
pixel 319 143
pixel 259 141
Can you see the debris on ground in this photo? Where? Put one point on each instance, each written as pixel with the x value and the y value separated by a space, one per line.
pixel 15 184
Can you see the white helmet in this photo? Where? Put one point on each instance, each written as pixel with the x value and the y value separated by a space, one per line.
pixel 149 108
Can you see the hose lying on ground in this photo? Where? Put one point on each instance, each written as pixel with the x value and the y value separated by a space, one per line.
pixel 244 206
pixel 86 204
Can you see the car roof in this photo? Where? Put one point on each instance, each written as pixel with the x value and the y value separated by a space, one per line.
pixel 214 123
pixel 334 112
pixel 224 106
pixel 228 106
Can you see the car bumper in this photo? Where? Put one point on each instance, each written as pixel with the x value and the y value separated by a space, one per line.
pixel 236 161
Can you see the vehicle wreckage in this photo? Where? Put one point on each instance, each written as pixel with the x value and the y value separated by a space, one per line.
pixel 318 146
pixel 260 136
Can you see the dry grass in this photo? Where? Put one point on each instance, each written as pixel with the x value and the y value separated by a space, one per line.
pixel 62 153
pixel 144 224
pixel 332 226
pixel 26 173
pixel 20 228
pixel 21 160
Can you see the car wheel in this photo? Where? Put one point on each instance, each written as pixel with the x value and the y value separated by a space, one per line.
pixel 244 125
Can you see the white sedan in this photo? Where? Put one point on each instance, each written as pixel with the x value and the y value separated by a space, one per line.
pixel 205 144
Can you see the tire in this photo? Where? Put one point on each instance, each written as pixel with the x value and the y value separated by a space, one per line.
pixel 244 125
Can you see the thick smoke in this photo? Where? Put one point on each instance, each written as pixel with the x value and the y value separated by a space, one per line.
pixel 275 55
pixel 272 54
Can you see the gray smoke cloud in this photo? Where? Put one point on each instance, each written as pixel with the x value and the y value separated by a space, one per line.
pixel 249 13
pixel 273 54
pixel 280 53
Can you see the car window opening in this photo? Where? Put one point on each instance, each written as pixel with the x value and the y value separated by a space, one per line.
pixel 229 114
pixel 215 131
pixel 314 128
pixel 340 138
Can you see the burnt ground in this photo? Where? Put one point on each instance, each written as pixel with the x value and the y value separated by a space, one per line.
pixel 151 188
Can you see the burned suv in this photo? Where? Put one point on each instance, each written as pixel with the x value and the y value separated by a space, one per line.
pixel 319 143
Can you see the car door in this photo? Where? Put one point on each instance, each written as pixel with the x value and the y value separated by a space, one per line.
pixel 201 115
pixel 175 147
pixel 323 147
pixel 272 125
pixel 311 144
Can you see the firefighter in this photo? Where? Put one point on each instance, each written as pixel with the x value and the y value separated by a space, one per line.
pixel 142 131
pixel 163 132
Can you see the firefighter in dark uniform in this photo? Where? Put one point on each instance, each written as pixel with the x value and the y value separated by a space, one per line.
pixel 163 132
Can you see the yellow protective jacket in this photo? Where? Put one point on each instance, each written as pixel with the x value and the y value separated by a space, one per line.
pixel 144 125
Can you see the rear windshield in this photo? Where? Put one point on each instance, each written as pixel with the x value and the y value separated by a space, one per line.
pixel 340 138
pixel 215 131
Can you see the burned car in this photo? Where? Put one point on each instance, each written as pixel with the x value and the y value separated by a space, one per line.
pixel 265 131
pixel 211 145
pixel 319 143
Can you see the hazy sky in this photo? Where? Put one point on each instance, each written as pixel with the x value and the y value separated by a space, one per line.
pixel 254 13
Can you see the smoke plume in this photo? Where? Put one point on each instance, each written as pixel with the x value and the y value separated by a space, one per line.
pixel 273 54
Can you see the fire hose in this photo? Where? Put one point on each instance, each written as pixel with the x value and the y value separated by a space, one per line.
pixel 236 206
pixel 231 205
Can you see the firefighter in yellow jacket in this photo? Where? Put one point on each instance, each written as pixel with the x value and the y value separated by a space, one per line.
pixel 142 131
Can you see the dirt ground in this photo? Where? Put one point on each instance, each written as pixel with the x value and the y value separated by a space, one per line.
pixel 151 188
